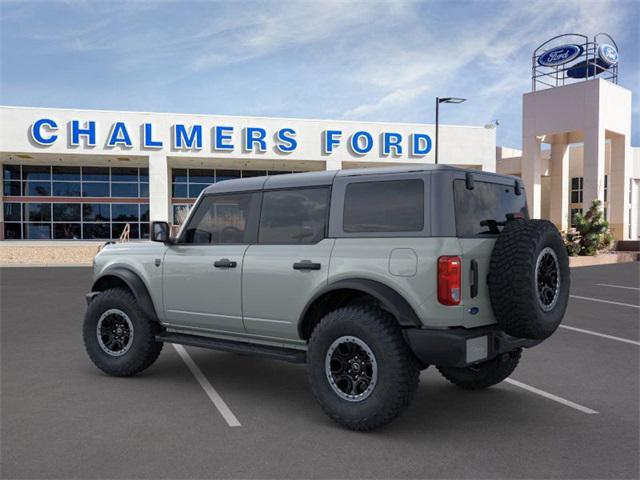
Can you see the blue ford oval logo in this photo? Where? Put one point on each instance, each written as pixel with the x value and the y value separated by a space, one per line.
pixel 608 54
pixel 560 55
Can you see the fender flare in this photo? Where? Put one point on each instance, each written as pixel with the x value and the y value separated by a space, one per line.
pixel 135 284
pixel 390 299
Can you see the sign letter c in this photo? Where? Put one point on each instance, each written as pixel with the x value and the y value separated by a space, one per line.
pixel 37 134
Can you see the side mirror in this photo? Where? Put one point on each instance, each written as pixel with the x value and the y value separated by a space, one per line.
pixel 160 232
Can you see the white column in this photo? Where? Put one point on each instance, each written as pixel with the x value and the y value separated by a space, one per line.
pixel 559 201
pixel 618 188
pixel 531 171
pixel 593 166
pixel 333 164
pixel 159 188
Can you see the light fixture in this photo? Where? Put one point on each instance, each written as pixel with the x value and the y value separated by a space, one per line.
pixel 440 100
pixel 451 100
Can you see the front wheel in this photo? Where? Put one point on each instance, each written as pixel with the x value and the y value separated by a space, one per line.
pixel 118 336
pixel 483 375
pixel 361 371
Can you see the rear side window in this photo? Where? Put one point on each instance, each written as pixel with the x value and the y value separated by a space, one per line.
pixel 221 219
pixel 295 216
pixel 384 206
pixel 483 210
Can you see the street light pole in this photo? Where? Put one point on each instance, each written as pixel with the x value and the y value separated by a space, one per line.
pixel 438 102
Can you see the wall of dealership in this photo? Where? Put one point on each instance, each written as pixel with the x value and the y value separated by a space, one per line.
pixel 71 174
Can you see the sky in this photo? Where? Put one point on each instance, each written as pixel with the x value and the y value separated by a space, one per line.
pixel 368 60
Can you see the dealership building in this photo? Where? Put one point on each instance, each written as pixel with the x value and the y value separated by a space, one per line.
pixel 90 175
pixel 85 174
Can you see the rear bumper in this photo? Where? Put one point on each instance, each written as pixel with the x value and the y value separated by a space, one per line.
pixel 460 347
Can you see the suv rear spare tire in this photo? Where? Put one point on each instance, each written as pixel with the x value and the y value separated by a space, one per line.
pixel 529 279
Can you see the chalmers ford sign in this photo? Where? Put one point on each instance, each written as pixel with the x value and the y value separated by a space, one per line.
pixel 221 138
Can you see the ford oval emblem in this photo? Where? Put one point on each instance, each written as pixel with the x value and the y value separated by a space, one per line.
pixel 608 54
pixel 560 55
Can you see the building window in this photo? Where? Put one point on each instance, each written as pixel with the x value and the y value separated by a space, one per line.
pixel 63 213
pixel 180 213
pixel 576 189
pixel 74 221
pixel 63 181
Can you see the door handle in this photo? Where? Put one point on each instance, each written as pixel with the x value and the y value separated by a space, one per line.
pixel 306 265
pixel 474 279
pixel 225 263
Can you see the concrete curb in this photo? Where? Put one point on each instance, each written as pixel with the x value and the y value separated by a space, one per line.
pixel 43 265
pixel 604 259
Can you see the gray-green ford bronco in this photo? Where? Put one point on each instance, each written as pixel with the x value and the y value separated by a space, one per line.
pixel 367 276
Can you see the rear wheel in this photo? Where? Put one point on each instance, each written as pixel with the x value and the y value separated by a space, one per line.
pixel 483 375
pixel 360 368
pixel 118 336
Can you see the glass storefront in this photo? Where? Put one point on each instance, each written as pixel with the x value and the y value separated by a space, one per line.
pixel 45 202
pixel 77 202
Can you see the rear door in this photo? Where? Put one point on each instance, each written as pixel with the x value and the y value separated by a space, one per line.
pixel 289 263
pixel 480 213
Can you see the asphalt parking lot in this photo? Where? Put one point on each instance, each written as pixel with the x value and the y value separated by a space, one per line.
pixel 571 412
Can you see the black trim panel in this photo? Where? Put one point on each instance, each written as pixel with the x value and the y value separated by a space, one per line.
pixel 448 347
pixel 135 284
pixel 388 297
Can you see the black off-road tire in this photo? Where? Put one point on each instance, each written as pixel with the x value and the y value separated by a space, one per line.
pixel 398 370
pixel 512 283
pixel 144 349
pixel 483 375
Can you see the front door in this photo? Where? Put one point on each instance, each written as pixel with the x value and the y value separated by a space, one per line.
pixel 202 273
pixel 289 263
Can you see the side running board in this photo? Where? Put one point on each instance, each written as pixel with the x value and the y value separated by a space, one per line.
pixel 278 353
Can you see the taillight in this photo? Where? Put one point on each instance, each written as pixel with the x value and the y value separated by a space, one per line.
pixel 449 281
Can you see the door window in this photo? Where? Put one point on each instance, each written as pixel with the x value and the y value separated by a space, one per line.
pixel 294 216
pixel 223 219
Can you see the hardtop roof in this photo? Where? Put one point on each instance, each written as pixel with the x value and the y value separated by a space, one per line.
pixel 314 179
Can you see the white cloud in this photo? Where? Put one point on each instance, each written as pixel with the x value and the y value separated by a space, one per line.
pixel 496 48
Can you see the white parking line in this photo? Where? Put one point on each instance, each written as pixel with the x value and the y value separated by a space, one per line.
pixel 551 396
pixel 616 286
pixel 610 337
pixel 605 301
pixel 211 392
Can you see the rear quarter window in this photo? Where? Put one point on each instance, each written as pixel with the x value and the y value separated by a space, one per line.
pixel 480 211
pixel 384 206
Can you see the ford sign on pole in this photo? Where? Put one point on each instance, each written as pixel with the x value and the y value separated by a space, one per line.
pixel 608 54
pixel 560 55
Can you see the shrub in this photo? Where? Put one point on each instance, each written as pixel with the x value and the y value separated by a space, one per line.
pixel 591 234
